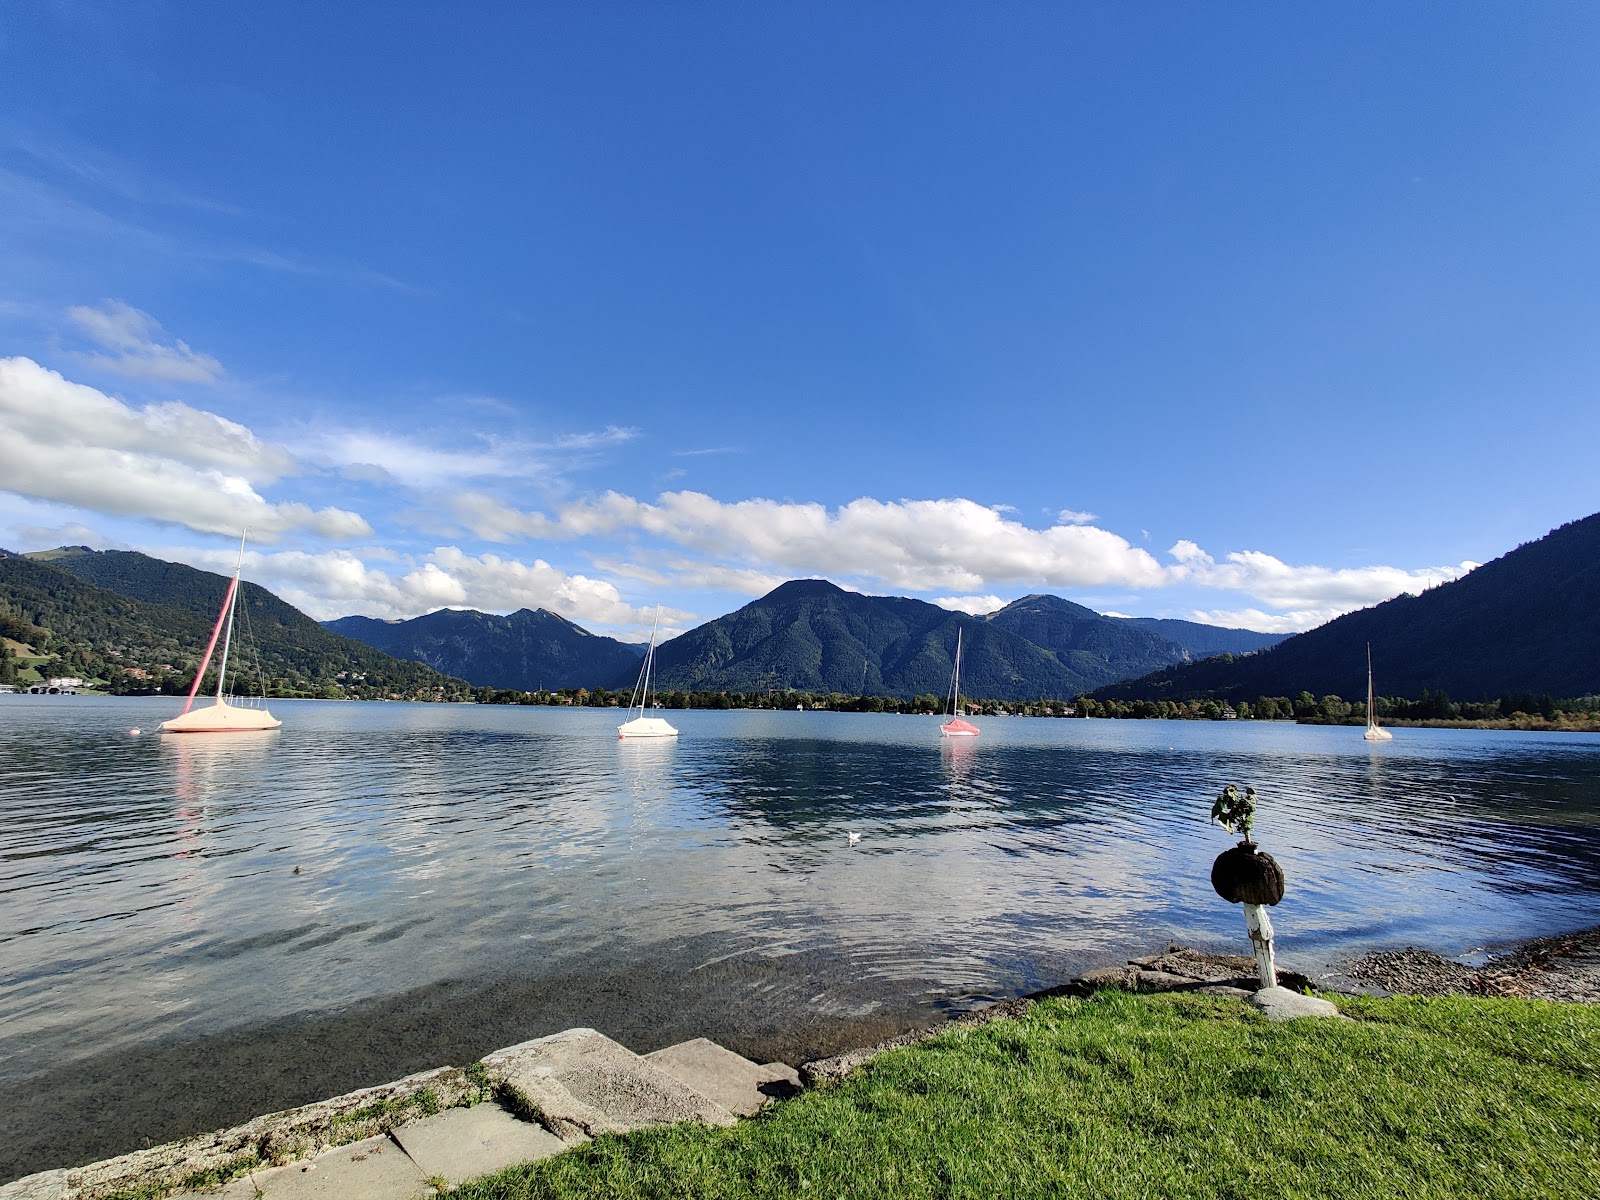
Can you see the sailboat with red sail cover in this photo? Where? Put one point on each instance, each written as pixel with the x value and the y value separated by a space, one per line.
pixel 955 726
pixel 219 716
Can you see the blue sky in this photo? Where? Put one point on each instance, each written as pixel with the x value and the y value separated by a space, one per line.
pixel 1217 312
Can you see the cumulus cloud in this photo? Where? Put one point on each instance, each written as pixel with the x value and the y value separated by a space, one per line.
pixel 1307 591
pixel 974 606
pixel 920 545
pixel 338 583
pixel 134 345
pixel 72 444
pixel 1071 516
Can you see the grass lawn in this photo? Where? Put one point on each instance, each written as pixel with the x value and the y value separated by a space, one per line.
pixel 1152 1096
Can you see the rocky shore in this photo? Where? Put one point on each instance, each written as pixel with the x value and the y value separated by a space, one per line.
pixel 1564 968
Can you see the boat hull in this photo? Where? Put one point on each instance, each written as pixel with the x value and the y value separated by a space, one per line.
pixel 646 727
pixel 958 728
pixel 221 717
pixel 1374 734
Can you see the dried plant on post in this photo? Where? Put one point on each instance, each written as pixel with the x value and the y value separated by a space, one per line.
pixel 1246 875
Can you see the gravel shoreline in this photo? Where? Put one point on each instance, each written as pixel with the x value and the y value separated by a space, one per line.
pixel 1564 968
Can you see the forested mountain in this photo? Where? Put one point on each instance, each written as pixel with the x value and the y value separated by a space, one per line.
pixel 143 624
pixel 1524 623
pixel 1099 649
pixel 528 650
pixel 811 635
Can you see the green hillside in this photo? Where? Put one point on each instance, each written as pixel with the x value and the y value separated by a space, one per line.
pixel 141 625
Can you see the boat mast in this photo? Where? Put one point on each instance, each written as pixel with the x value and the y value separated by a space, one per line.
pixel 649 660
pixel 955 680
pixel 1371 716
pixel 233 605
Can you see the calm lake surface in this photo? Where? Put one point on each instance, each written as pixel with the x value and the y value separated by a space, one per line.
pixel 470 876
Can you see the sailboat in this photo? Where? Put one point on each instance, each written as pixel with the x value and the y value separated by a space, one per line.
pixel 643 726
pixel 220 716
pixel 955 726
pixel 1373 733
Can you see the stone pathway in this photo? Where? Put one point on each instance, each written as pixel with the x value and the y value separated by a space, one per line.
pixel 548 1094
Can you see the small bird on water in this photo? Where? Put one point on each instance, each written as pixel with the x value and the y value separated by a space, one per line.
pixel 855 839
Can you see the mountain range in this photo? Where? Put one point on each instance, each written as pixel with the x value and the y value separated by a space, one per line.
pixel 1528 622
pixel 1524 623
pixel 810 635
pixel 815 636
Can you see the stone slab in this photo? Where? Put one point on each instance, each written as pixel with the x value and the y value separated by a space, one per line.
pixel 733 1081
pixel 1162 981
pixel 1123 978
pixel 463 1143
pixel 46 1185
pixel 1280 1004
pixel 375 1169
pixel 581 1083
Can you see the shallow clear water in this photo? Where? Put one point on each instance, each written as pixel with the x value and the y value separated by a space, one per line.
pixel 469 876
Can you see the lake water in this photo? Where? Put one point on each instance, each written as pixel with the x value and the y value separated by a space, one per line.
pixel 196 929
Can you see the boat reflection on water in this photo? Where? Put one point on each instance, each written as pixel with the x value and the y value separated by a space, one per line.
pixel 208 769
pixel 958 756
pixel 644 766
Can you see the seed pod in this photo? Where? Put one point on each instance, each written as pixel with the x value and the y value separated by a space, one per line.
pixel 1245 875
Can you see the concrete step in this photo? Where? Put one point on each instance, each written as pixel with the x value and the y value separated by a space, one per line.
pixel 733 1081
pixel 581 1083
pixel 374 1169
pixel 462 1143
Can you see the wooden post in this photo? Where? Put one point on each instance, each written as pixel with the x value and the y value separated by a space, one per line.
pixel 1260 927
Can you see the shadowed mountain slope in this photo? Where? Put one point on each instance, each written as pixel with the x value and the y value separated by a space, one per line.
pixel 1202 641
pixel 812 635
pixel 528 650
pixel 1524 623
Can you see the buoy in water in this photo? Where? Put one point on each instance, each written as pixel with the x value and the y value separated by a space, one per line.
pixel 133 733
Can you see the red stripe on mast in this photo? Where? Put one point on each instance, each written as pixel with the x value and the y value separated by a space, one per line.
pixel 227 603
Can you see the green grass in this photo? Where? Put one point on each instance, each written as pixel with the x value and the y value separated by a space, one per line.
pixel 1157 1096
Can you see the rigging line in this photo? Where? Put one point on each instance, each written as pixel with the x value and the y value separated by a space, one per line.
pixel 255 647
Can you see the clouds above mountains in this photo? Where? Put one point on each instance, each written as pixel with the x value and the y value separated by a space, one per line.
pixel 172 464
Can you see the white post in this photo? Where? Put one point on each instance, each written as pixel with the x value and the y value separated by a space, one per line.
pixel 1260 927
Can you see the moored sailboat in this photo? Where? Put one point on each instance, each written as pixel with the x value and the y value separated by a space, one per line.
pixel 220 716
pixel 955 726
pixel 1373 733
pixel 643 726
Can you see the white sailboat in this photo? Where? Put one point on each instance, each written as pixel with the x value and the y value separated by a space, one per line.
pixel 1373 733
pixel 220 716
pixel 643 726
pixel 955 726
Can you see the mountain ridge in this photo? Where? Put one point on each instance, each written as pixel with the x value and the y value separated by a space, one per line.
pixel 1521 623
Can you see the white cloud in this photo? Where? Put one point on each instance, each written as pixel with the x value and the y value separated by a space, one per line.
pixel 137 347
pixel 70 443
pixel 690 573
pixel 435 463
pixel 338 583
pixel 1294 621
pixel 1311 593
pixel 975 606
pixel 920 545
pixel 1071 516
